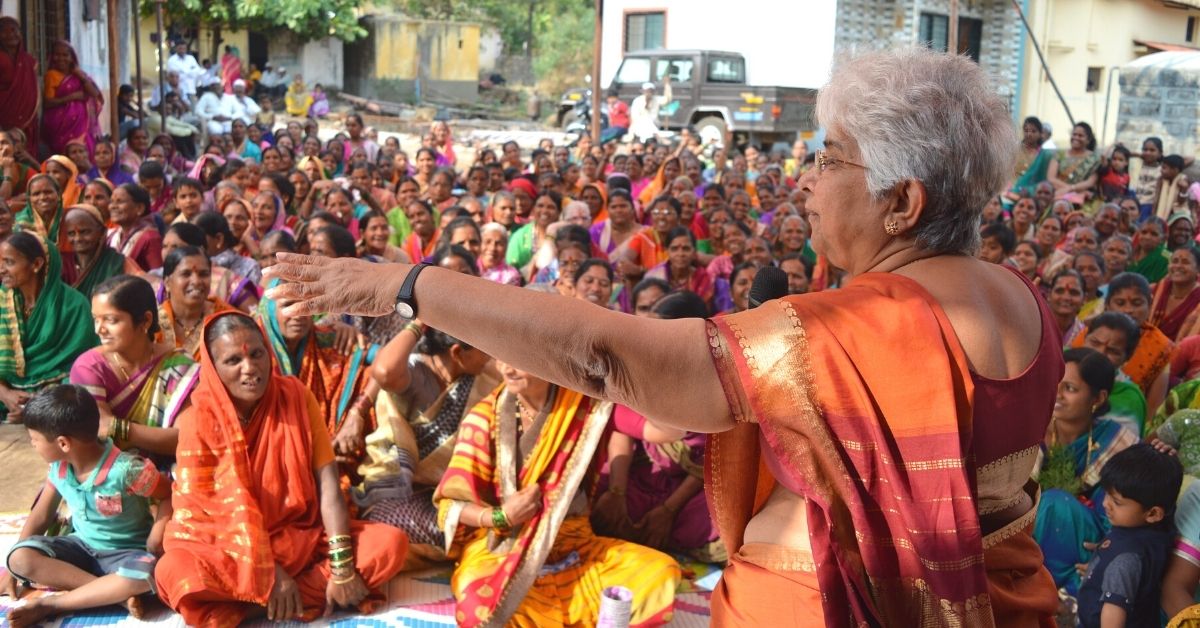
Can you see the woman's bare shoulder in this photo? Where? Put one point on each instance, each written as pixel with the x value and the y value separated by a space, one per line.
pixel 994 313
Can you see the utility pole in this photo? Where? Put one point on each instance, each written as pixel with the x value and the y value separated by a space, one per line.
pixel 596 49
pixel 952 31
pixel 1038 49
pixel 162 85
pixel 137 57
pixel 114 77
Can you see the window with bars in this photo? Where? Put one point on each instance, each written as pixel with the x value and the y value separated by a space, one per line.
pixel 645 30
pixel 935 33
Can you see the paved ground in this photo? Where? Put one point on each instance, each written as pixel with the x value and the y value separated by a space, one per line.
pixel 21 470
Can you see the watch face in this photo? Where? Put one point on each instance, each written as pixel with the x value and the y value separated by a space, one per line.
pixel 404 309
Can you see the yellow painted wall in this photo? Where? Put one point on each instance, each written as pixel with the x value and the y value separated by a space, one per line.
pixel 1078 34
pixel 149 59
pixel 453 50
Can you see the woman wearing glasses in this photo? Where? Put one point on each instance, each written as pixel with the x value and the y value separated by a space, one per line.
pixel 843 480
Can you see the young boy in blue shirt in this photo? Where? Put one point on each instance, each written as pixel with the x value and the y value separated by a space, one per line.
pixel 104 559
pixel 1123 582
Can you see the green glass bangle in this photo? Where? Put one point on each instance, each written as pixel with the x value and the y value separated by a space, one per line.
pixel 499 519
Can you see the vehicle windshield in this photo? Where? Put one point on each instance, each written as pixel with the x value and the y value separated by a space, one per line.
pixel 634 70
pixel 726 70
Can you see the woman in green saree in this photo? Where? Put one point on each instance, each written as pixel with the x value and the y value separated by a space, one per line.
pixel 1115 335
pixel 1075 171
pixel 1079 442
pixel 1032 161
pixel 43 211
pixel 44 324
pixel 1151 257
pixel 90 261
pixel 139 386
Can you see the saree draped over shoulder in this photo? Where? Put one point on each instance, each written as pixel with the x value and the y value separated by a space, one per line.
pixel 551 570
pixel 38 349
pixel 829 405
pixel 246 499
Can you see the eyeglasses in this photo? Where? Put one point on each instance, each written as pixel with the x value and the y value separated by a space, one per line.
pixel 824 161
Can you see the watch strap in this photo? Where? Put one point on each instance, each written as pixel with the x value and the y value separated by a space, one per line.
pixel 405 295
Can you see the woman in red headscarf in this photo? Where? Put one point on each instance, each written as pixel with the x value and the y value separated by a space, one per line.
pixel 260 526
pixel 72 102
pixel 18 82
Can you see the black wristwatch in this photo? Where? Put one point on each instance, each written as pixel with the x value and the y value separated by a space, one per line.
pixel 406 303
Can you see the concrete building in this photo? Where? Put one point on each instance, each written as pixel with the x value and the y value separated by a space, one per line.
pixel 1085 43
pixel 406 60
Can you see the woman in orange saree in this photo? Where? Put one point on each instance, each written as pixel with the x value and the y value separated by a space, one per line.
pixel 259 523
pixel 514 501
pixel 906 485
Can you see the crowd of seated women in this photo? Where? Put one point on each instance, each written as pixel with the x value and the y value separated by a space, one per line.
pixel 142 281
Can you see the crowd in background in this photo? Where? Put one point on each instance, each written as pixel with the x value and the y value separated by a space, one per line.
pixel 116 251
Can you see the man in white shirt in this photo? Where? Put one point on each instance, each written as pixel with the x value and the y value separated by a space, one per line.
pixel 211 111
pixel 238 105
pixel 174 85
pixel 1047 140
pixel 274 81
pixel 643 113
pixel 188 70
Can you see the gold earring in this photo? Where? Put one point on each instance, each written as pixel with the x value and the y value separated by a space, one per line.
pixel 891 227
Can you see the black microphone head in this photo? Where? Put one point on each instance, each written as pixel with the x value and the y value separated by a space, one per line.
pixel 770 283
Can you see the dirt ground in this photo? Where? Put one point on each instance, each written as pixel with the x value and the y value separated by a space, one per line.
pixel 21 470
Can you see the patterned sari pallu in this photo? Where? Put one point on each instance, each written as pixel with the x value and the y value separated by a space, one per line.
pixel 552 569
pixel 830 406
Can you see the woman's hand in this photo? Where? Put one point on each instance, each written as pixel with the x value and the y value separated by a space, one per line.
pixel 345 337
pixel 346 595
pixel 351 437
pixel 656 527
pixel 14 400
pixel 284 602
pixel 612 512
pixel 523 505
pixel 345 285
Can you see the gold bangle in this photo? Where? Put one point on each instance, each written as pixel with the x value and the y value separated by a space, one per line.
pixel 340 538
pixel 615 490
pixel 479 519
pixel 346 580
pixel 417 330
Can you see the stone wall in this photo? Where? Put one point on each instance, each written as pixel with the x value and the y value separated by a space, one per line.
pixel 1160 96
pixel 873 24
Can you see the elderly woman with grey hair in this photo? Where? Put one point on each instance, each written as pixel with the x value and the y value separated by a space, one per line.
pixel 870 445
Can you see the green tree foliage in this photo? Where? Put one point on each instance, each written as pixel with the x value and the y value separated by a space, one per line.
pixel 308 19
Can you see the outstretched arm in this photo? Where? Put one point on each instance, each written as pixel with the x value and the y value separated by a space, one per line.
pixel 660 368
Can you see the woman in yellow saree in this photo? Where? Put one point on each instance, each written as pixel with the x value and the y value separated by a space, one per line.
pixel 512 501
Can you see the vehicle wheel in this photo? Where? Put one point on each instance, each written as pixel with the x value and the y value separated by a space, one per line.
pixel 714 122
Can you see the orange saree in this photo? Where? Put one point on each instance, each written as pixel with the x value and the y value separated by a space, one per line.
pixel 828 405
pixel 246 499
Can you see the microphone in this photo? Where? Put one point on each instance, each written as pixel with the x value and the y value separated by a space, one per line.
pixel 770 283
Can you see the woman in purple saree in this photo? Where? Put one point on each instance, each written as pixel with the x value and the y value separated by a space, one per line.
pixel 72 102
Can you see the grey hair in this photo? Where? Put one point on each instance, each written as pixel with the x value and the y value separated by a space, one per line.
pixel 587 210
pixel 496 227
pixel 931 117
pixel 503 194
pixel 1125 241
